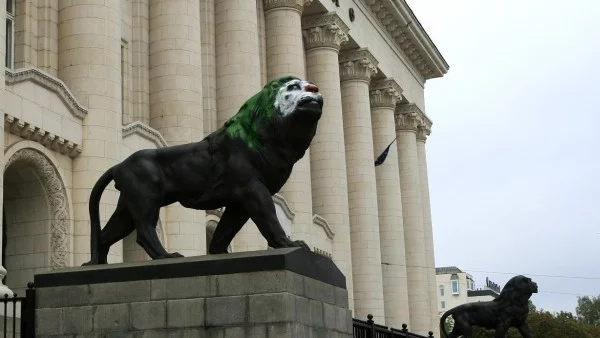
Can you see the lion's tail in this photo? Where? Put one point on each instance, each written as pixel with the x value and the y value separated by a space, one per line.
pixel 94 209
pixel 443 321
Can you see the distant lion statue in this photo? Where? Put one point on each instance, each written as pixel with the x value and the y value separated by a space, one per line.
pixel 509 309
pixel 239 166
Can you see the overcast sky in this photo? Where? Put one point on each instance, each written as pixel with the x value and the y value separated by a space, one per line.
pixel 513 156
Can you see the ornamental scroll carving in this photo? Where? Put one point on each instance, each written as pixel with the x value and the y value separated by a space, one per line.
pixel 294 4
pixel 57 198
pixel 385 93
pixel 357 65
pixel 324 31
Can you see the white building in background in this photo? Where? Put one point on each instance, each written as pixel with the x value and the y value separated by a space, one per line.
pixel 456 287
pixel 89 82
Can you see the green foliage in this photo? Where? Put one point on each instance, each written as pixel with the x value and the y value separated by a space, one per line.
pixel 588 310
pixel 259 107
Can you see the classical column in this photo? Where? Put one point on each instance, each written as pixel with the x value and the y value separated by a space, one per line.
pixel 407 121
pixel 3 288
pixel 92 72
pixel 356 69
pixel 176 102
pixel 47 36
pixel 285 56
pixel 423 131
pixel 323 36
pixel 209 84
pixel 384 96
pixel 238 77
pixel 140 68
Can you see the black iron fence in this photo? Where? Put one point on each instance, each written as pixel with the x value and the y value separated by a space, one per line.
pixel 18 314
pixel 368 329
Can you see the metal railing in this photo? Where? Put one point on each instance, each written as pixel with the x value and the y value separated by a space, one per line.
pixel 368 329
pixel 18 314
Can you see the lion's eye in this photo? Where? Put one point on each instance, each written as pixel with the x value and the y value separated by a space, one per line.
pixel 293 86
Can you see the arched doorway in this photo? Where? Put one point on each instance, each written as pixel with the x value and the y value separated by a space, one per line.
pixel 36 218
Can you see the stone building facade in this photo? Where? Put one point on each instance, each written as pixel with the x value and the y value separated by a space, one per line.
pixel 87 83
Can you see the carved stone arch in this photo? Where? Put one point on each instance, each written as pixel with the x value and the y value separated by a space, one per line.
pixel 57 198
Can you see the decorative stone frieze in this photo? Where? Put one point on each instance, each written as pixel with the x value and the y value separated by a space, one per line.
pixel 409 36
pixel 49 82
pixel 326 30
pixel 385 93
pixel 357 65
pixel 294 4
pixel 322 222
pixel 144 131
pixel 408 117
pixel 30 132
pixel 57 199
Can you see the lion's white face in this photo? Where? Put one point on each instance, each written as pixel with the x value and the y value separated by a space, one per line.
pixel 292 93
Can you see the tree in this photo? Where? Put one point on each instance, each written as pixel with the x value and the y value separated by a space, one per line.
pixel 588 310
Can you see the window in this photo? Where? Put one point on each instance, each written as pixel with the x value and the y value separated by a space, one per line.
pixel 441 290
pixel 443 304
pixel 10 28
pixel 455 286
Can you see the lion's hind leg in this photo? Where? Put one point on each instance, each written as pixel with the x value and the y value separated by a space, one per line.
pixel 118 227
pixel 145 212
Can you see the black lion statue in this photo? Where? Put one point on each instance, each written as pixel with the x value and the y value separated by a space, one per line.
pixel 239 166
pixel 509 309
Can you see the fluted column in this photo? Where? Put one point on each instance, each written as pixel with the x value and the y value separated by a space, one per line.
pixel 3 288
pixel 176 102
pixel 285 56
pixel 407 121
pixel 92 72
pixel 209 81
pixel 423 131
pixel 356 69
pixel 140 50
pixel 47 36
pixel 238 77
pixel 323 36
pixel 384 96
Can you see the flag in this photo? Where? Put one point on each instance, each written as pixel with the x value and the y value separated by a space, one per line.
pixel 381 158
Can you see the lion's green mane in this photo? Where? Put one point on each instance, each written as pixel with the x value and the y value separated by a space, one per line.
pixel 259 107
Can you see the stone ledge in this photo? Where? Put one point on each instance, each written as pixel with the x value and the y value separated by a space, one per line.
pixel 296 260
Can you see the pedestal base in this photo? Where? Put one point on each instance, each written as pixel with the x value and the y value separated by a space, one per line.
pixel 274 293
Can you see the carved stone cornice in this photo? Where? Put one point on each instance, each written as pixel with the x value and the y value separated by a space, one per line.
pixel 144 131
pixel 385 93
pixel 49 82
pixel 285 206
pixel 397 19
pixel 358 64
pixel 327 30
pixel 322 222
pixel 30 132
pixel 408 117
pixel 292 4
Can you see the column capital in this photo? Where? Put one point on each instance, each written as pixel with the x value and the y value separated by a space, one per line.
pixel 408 117
pixel 327 30
pixel 291 4
pixel 385 93
pixel 358 64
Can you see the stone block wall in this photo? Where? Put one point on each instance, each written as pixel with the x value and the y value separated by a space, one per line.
pixel 256 304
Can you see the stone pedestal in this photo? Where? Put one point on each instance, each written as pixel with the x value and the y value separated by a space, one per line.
pixel 273 293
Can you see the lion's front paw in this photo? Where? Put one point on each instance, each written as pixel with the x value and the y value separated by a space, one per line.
pixel 301 244
pixel 171 255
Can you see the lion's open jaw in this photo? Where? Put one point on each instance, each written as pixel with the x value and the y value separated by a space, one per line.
pixel 296 93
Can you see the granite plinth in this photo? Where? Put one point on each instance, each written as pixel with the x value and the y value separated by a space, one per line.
pixel 271 293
